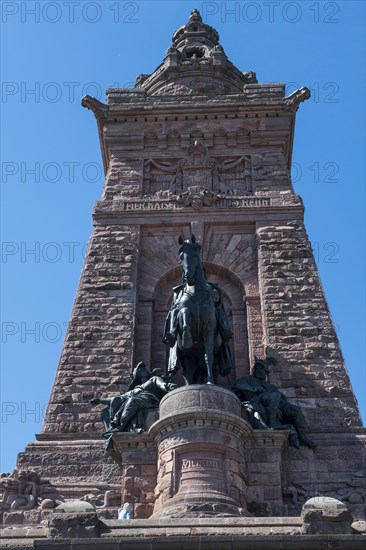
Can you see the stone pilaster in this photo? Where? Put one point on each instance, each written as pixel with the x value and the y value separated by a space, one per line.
pixel 138 457
pixel 299 329
pixel 97 356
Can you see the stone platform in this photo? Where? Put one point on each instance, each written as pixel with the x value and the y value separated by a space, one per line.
pixel 198 459
pixel 272 533
pixel 201 459
pixel 196 474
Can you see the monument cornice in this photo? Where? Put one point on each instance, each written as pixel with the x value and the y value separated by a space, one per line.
pixel 111 212
pixel 81 438
pixel 127 101
pixel 255 101
pixel 173 423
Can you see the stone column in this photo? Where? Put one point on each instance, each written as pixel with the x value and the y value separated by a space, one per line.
pixel 201 461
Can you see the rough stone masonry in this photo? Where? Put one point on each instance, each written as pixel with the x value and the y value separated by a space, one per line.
pixel 196 144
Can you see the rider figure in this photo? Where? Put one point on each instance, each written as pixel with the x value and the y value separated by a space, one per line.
pixel 171 323
pixel 196 327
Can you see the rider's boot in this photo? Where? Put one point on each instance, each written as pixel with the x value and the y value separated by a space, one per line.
pixel 170 336
pixel 187 341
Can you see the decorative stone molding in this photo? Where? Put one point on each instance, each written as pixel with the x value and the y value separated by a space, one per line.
pixel 297 97
pixel 98 108
pixel 197 170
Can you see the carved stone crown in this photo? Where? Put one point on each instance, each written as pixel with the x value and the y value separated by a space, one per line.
pixel 198 173
pixel 195 64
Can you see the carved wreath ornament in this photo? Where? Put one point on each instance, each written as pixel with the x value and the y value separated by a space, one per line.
pixel 197 197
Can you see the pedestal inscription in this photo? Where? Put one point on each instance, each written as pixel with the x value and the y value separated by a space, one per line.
pixel 207 467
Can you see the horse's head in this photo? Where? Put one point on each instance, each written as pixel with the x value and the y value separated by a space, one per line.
pixel 189 258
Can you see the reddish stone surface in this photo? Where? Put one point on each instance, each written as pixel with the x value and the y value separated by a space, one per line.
pixel 179 156
pixel 201 456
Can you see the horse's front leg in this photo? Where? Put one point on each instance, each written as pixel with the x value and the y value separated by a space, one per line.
pixel 184 316
pixel 209 352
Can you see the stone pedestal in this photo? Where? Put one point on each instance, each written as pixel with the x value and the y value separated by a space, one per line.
pixel 137 456
pixel 265 473
pixel 201 466
pixel 73 520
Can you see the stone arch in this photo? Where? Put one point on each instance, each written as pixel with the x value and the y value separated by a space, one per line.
pixel 219 132
pixel 233 291
pixel 196 133
pixel 174 137
pixel 242 135
pixel 219 136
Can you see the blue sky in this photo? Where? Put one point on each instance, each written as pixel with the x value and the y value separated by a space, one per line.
pixel 53 53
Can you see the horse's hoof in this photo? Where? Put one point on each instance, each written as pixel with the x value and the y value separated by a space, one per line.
pixel 209 383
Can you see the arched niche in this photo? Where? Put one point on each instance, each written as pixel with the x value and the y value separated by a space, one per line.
pixel 153 311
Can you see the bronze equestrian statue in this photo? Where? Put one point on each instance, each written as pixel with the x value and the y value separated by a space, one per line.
pixel 197 329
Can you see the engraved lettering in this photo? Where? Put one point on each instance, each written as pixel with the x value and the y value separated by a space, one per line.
pixel 201 463
pixel 221 202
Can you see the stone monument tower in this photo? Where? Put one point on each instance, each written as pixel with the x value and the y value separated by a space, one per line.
pixel 197 147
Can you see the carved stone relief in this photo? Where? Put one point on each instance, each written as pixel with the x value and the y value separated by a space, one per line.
pixel 197 178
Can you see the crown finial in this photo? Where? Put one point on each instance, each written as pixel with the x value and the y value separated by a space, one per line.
pixel 195 14
pixel 195 61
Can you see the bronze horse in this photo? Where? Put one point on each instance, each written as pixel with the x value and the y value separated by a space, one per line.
pixel 197 328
